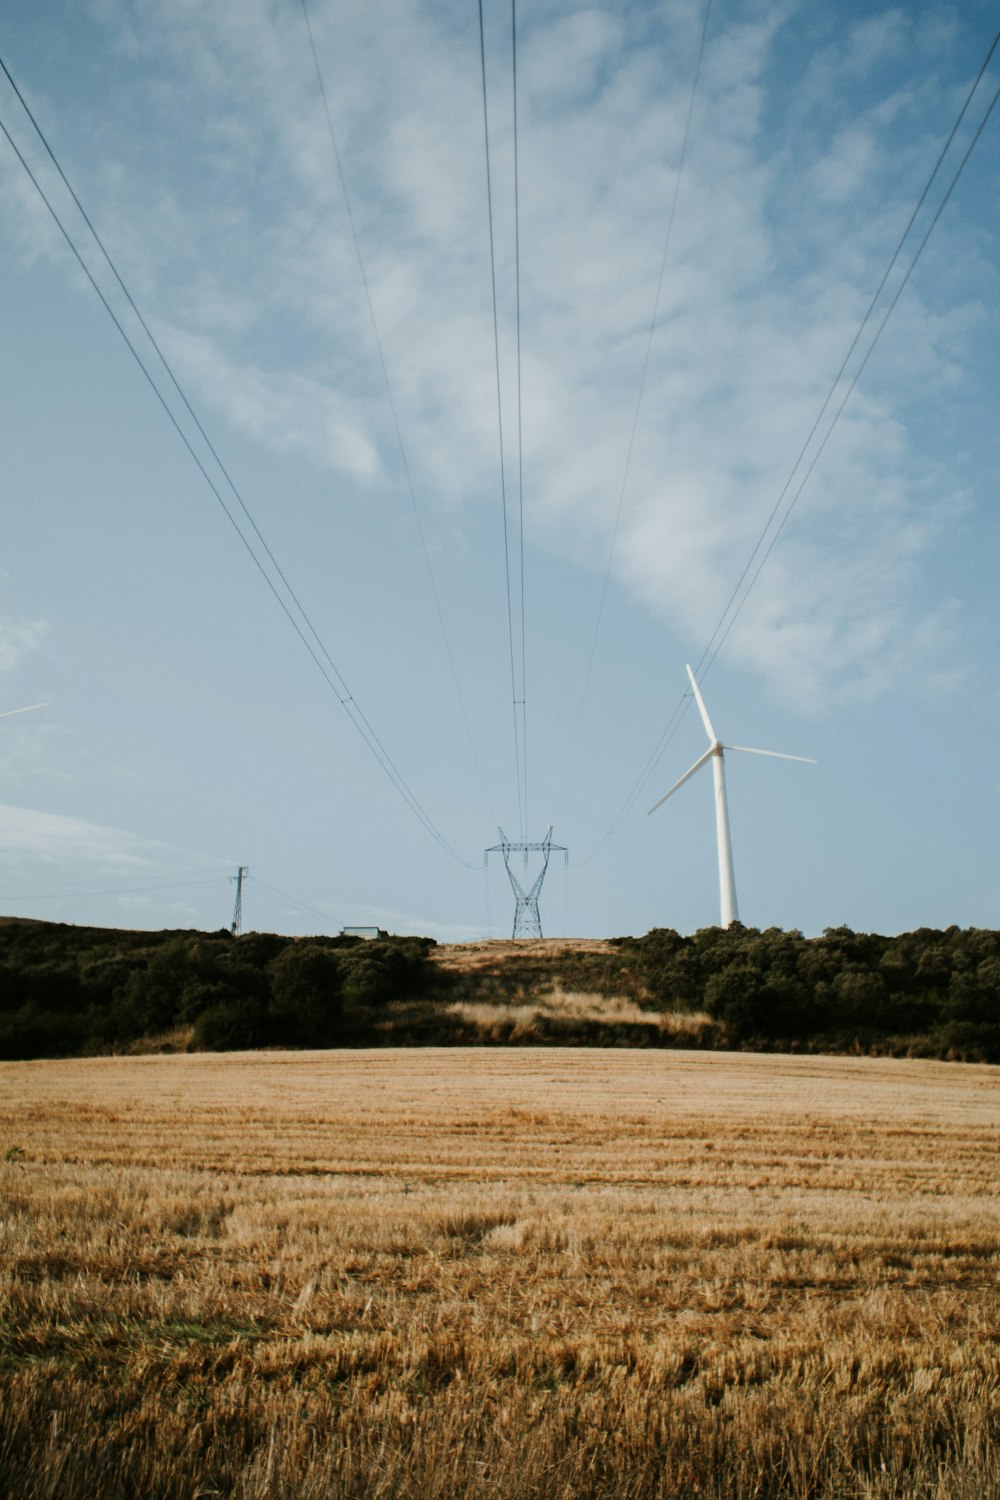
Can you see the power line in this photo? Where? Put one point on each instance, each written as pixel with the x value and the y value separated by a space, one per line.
pixel 520 449
pixel 722 629
pixel 391 399
pixel 673 724
pixel 174 885
pixel 503 472
pixel 301 905
pixel 153 341
pixel 855 341
pixel 342 693
pixel 854 380
pixel 639 395
pixel 489 909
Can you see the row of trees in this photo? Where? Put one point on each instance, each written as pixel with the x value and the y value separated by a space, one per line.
pixel 69 990
pixel 941 985
pixel 66 990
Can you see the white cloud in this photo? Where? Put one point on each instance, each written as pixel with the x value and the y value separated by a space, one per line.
pixel 780 239
pixel 27 833
pixel 19 637
pixel 869 41
pixel 286 411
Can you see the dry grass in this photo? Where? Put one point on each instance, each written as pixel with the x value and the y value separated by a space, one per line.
pixel 478 1273
pixel 527 1019
pixel 475 958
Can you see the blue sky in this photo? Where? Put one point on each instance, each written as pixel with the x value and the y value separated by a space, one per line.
pixel 187 730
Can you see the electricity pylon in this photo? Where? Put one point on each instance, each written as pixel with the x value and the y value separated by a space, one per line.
pixel 527 922
pixel 239 877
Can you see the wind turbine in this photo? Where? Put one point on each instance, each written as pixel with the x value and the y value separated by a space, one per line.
pixel 714 753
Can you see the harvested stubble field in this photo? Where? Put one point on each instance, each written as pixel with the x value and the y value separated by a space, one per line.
pixel 485 1273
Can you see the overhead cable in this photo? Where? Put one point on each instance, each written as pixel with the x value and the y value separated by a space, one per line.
pixel 300 905
pixel 639 395
pixel 712 651
pixel 503 472
pixel 854 344
pixel 392 401
pixel 520 446
pixel 734 608
pixel 336 682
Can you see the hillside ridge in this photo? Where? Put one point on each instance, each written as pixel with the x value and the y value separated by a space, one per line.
pixel 67 990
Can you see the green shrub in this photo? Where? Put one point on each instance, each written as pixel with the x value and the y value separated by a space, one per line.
pixel 232 1025
pixel 379 971
pixel 305 1006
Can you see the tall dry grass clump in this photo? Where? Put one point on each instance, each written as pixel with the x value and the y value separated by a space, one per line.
pixel 481 1273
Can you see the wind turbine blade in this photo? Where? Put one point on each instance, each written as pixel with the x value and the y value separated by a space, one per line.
pixel 686 777
pixel 9 711
pixel 777 754
pixel 702 709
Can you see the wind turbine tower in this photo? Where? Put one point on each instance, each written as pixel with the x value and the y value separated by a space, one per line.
pixel 728 911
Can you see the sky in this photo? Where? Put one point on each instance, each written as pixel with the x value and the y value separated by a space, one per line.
pixel 692 265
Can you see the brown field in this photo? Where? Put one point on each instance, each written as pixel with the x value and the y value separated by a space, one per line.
pixel 547 1273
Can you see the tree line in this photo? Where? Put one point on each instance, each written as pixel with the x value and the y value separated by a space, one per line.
pixel 938 988
pixel 70 991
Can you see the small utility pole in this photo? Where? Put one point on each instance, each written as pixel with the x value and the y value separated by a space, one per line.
pixel 238 908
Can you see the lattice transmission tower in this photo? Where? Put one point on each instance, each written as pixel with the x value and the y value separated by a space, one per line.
pixel 238 880
pixel 527 922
